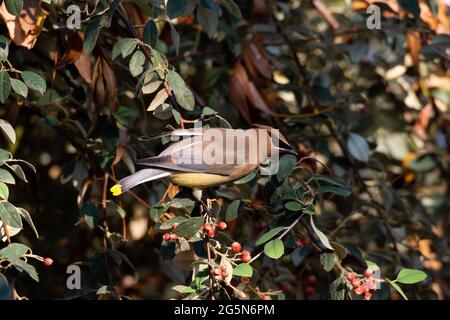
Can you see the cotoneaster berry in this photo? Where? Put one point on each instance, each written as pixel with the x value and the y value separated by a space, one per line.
pixel 245 280
pixel 311 279
pixel 246 258
pixel 221 225
pixel 173 236
pixel 207 227
pixel 211 233
pixel 286 287
pixel 309 290
pixel 236 247
pixel 368 273
pixel 266 297
pixel 166 236
pixel 48 262
pixel 351 276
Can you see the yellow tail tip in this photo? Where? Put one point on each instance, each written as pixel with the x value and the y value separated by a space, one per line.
pixel 116 190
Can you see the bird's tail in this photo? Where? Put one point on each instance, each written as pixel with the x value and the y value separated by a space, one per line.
pixel 139 177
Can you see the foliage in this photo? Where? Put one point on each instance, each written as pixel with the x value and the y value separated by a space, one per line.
pixel 362 212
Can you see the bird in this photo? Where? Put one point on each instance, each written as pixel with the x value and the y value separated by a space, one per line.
pixel 208 157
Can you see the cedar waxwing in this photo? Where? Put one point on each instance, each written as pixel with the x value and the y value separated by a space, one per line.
pixel 208 157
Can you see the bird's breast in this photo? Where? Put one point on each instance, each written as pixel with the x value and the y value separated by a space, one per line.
pixel 198 180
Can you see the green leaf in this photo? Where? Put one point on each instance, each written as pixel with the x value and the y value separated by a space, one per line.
pixel 344 192
pixel 137 63
pixel 28 268
pixel 10 215
pixel 182 203
pixel 397 287
pixel 4 191
pixel 5 86
pixel 19 87
pixel 14 7
pixel 329 180
pixel 232 8
pixel 338 289
pixel 208 20
pixel 166 225
pixel 158 100
pixel 175 81
pixel 322 237
pixel 410 276
pixel 176 8
pixel 287 164
pixel 34 81
pixel 157 211
pixel 189 227
pixel 91 34
pixel 18 172
pixel 269 235
pixel 151 33
pixel 327 261
pixel 90 213
pixel 4 156
pixel 6 177
pixel 151 83
pixel 5 290
pixel 293 206
pixel 233 210
pixel 4 48
pixel 185 98
pixel 14 251
pixel 124 47
pixel 372 265
pixel 358 147
pixel 274 249
pixel 175 38
pixel 26 216
pixel 8 131
pixel 243 270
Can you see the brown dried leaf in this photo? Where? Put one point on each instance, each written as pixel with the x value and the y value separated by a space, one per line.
pixel 414 45
pixel 238 98
pixel 260 60
pixel 83 65
pixel 111 85
pixel 257 100
pixel 25 29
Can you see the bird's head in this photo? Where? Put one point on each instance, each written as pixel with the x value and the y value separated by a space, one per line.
pixel 278 141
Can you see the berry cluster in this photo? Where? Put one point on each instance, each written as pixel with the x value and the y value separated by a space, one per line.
pixel 220 273
pixel 310 282
pixel 245 256
pixel 363 285
pixel 210 230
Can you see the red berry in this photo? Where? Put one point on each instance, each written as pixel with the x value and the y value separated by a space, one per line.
pixel 207 227
pixel 368 273
pixel 299 242
pixel 48 262
pixel 166 236
pixel 355 283
pixel 211 233
pixel 245 280
pixel 246 258
pixel 368 295
pixel 364 288
pixel 286 287
pixel 236 247
pixel 173 236
pixel 311 279
pixel 309 290
pixel 305 240
pixel 175 225
pixel 266 297
pixel 222 225
pixel 359 290
pixel 225 273
pixel 351 276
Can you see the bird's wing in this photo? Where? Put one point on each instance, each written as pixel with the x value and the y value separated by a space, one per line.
pixel 183 156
